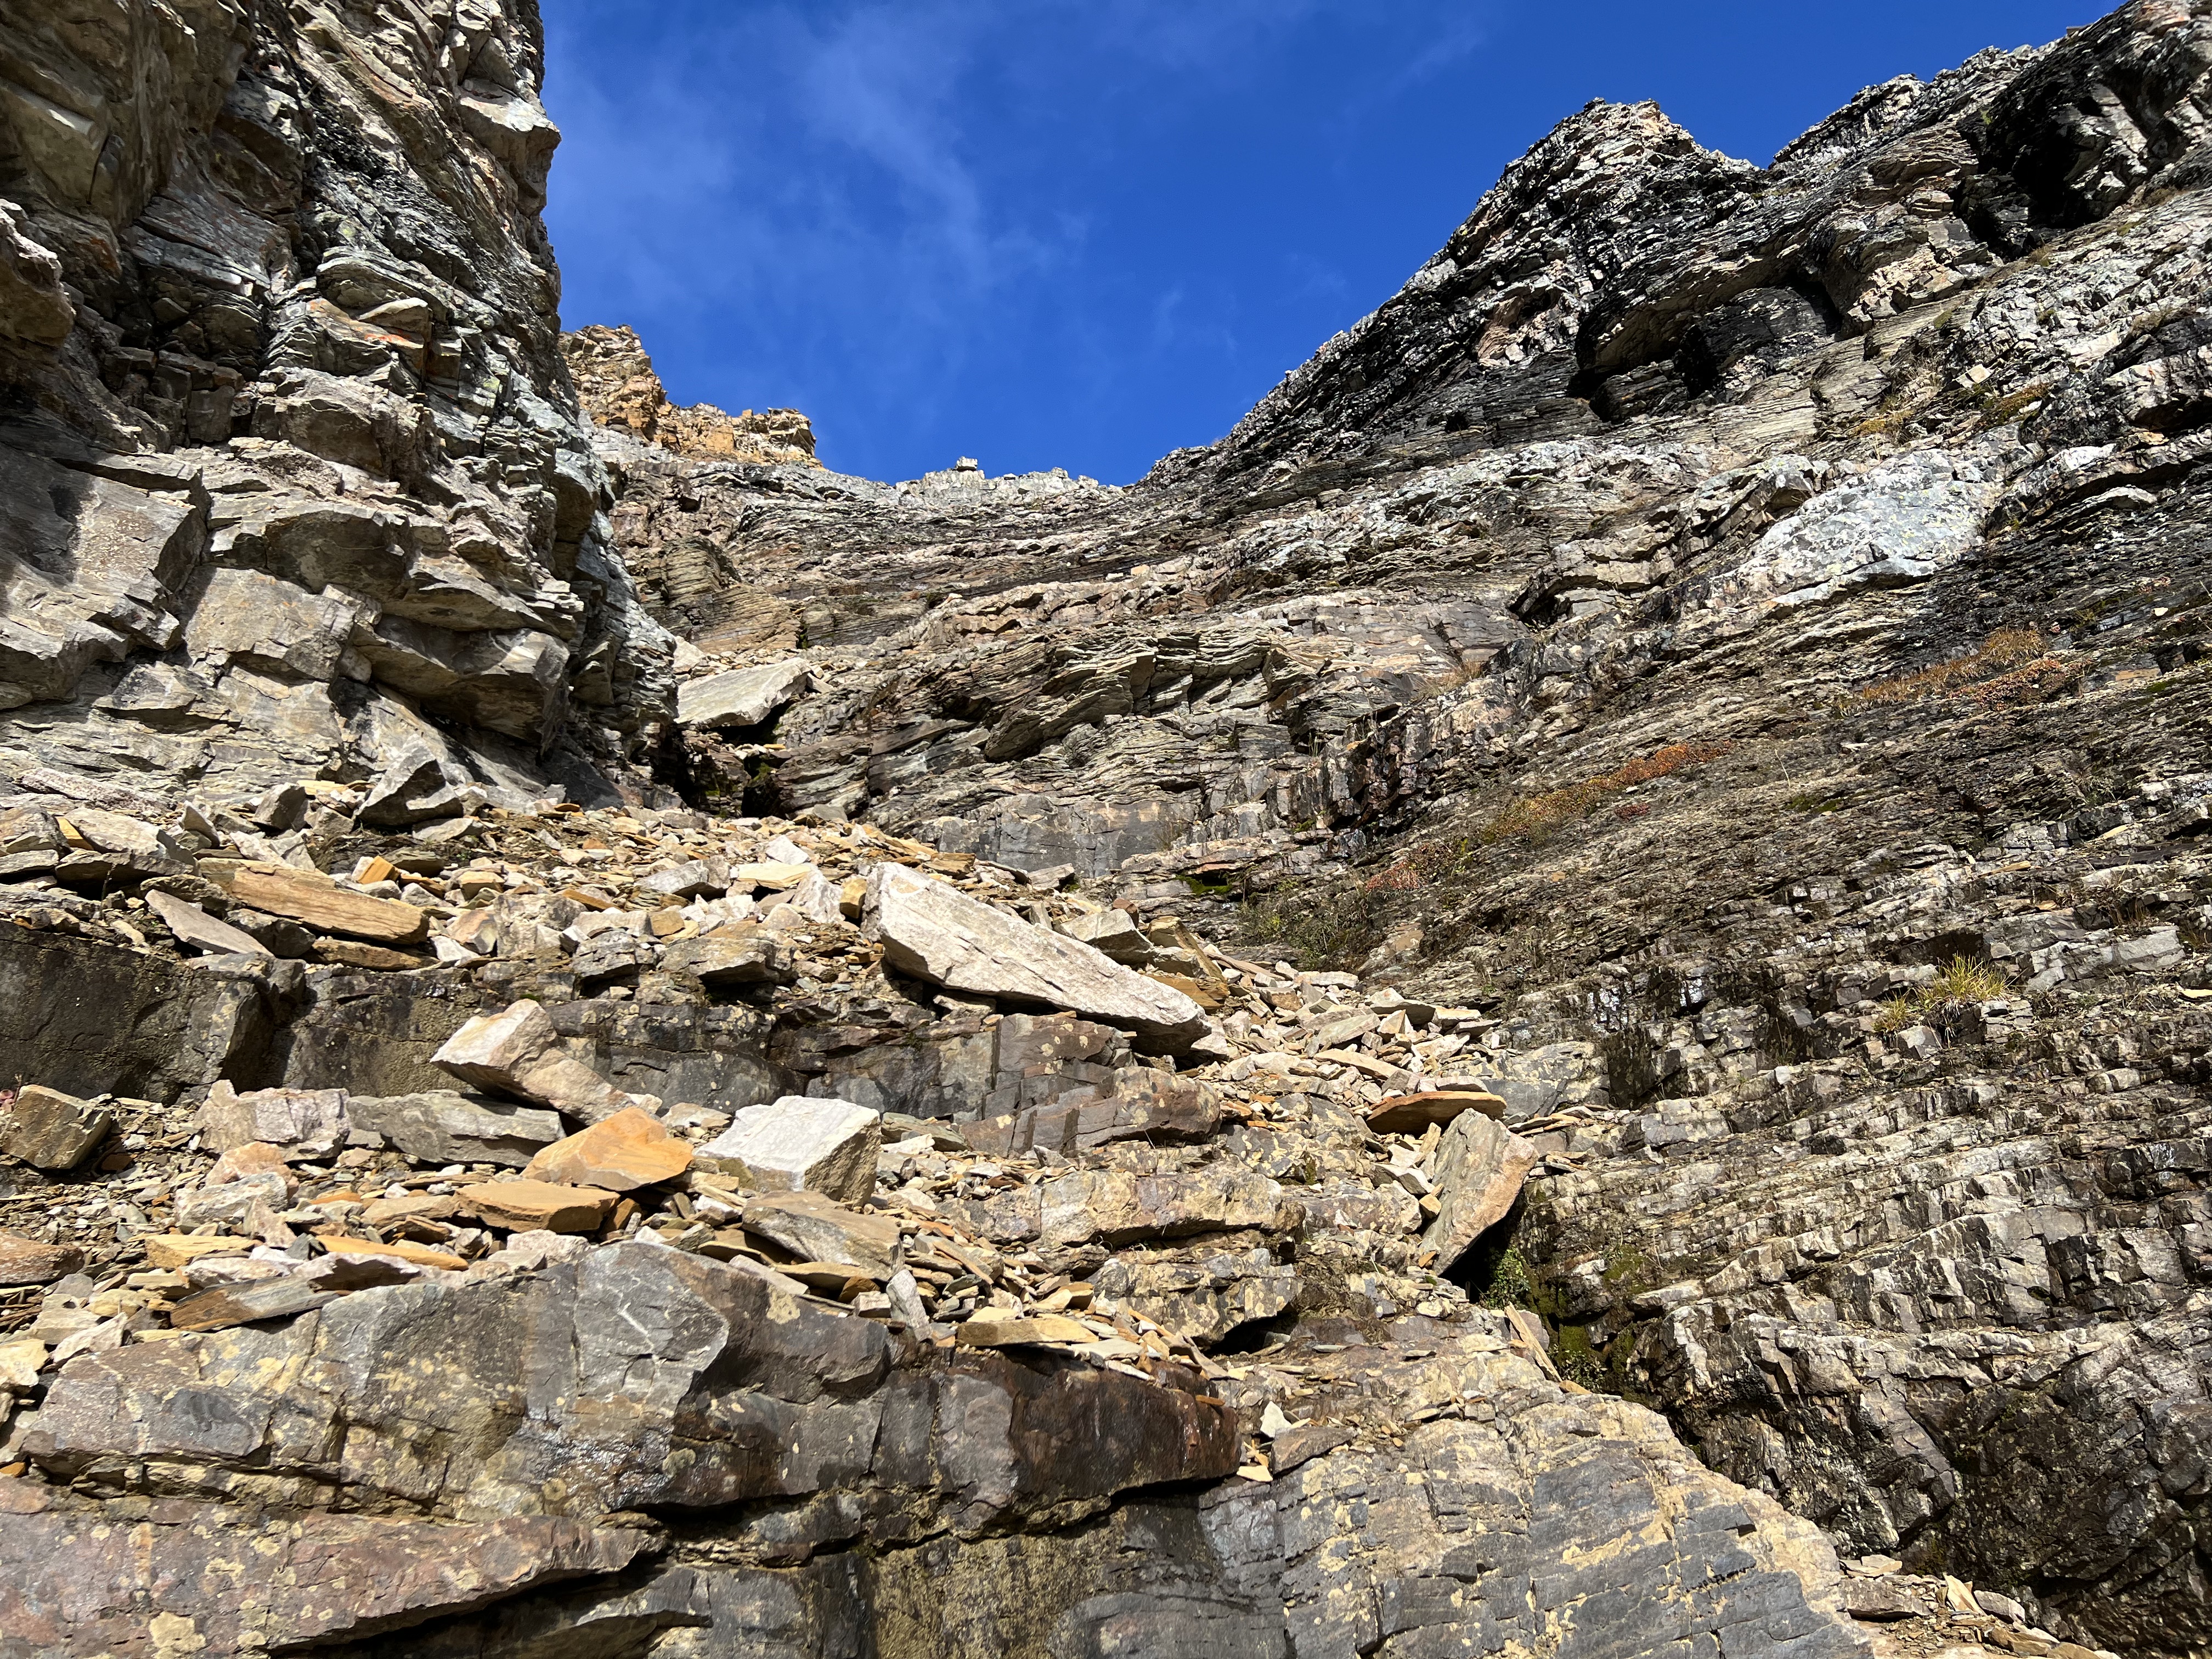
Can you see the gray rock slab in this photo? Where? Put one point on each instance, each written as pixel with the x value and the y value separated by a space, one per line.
pixel 940 935
pixel 797 1145
pixel 445 1127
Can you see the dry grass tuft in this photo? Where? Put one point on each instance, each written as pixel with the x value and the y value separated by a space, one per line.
pixel 2010 664
pixel 1539 815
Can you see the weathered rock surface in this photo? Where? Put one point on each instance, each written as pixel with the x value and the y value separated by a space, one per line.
pixel 1481 1167
pixel 629 1150
pixel 518 1052
pixel 936 935
pixel 617 387
pixel 796 1144
pixel 52 1131
pixel 295 474
pixel 1690 715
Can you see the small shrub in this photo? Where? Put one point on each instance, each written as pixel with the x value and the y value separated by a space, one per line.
pixel 1512 1284
pixel 1962 980
pixel 1400 878
pixel 1897 1014
pixel 1320 929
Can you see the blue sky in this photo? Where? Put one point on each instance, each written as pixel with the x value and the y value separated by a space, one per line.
pixel 1082 233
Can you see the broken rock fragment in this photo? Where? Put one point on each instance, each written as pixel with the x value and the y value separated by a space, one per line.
pixel 742 954
pixel 440 1126
pixel 517 1051
pixel 33 1262
pixel 245 1304
pixel 196 927
pixel 52 1131
pixel 939 934
pixel 1119 1208
pixel 304 895
pixel 620 1153
pixel 1408 1114
pixel 1480 1166
pixel 816 1228
pixel 310 1121
pixel 523 1207
pixel 797 1145
pixel 741 698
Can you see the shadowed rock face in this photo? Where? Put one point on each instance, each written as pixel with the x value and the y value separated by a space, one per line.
pixel 1710 674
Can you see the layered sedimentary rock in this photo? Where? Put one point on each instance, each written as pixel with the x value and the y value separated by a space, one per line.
pixel 1740 629
pixel 1650 800
pixel 295 482
pixel 616 386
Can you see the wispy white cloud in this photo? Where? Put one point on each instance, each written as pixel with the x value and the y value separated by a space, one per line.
pixel 829 178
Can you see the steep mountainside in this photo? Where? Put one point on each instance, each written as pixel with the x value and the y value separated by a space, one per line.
pixel 1569 974
pixel 1742 629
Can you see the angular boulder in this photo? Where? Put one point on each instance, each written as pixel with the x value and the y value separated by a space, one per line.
pixel 620 1153
pixel 440 1126
pixel 940 935
pixel 1409 1114
pixel 741 698
pixel 518 1052
pixel 196 927
pixel 1480 1166
pixel 1120 1208
pixel 52 1131
pixel 818 1229
pixel 304 895
pixel 742 954
pixel 525 1206
pixel 797 1145
pixel 310 1121
pixel 34 1261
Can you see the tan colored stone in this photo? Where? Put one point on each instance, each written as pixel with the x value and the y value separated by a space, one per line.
pixel 254 1158
pixel 52 1131
pixel 770 875
pixel 34 1261
pixel 984 1332
pixel 20 1362
pixel 620 1153
pixel 182 1249
pixel 420 1256
pixel 522 1206
pixel 1204 995
pixel 373 958
pixel 305 896
pixel 1408 1114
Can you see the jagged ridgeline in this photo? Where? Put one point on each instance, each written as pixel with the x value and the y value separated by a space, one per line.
pixel 1557 1001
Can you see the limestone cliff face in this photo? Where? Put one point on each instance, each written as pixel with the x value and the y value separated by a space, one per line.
pixel 618 389
pixel 296 480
